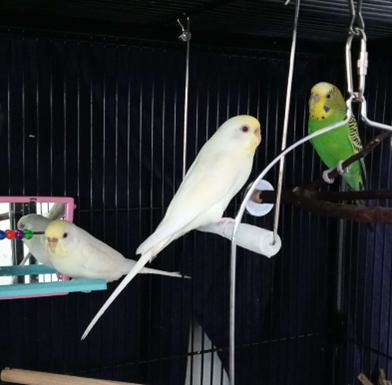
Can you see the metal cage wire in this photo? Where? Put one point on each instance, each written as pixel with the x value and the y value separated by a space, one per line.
pixel 107 121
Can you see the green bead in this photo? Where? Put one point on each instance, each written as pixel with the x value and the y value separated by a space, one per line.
pixel 28 234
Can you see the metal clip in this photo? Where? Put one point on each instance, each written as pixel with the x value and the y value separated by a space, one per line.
pixel 185 35
pixel 362 65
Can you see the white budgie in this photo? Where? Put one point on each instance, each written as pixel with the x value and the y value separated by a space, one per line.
pixel 76 253
pixel 36 222
pixel 36 245
pixel 219 171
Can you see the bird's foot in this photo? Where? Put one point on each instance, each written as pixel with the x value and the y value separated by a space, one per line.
pixel 326 178
pixel 340 169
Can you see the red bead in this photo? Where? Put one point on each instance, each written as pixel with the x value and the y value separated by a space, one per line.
pixel 10 234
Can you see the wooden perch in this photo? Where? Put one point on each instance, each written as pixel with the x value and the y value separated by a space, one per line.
pixel 28 377
pixel 334 173
pixel 364 379
pixel 381 379
pixel 336 210
pixel 330 196
pixel 4 216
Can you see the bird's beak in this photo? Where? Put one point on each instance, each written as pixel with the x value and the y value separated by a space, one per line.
pixel 52 244
pixel 314 99
pixel 258 134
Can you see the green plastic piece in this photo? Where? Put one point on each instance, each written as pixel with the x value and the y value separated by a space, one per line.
pixel 28 234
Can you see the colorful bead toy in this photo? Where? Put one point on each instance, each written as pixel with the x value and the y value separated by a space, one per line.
pixel 17 234
pixel 9 234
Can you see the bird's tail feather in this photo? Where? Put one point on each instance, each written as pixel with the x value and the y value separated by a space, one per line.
pixel 147 270
pixel 128 278
pixel 361 202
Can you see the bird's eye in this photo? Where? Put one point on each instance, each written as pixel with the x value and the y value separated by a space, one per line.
pixel 328 96
pixel 65 235
pixel 245 129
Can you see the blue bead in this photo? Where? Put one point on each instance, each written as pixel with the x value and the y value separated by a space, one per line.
pixel 2 235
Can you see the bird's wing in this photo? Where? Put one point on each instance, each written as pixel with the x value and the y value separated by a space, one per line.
pixel 207 183
pixel 355 141
pixel 100 258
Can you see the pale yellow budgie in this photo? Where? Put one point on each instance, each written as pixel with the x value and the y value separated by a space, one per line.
pixel 76 253
pixel 219 171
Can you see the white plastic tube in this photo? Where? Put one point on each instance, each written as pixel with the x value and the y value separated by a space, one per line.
pixel 249 237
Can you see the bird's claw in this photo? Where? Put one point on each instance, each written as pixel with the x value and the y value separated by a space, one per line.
pixel 339 168
pixel 326 178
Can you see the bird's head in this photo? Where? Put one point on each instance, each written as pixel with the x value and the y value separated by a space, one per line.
pixel 243 129
pixel 60 236
pixel 33 222
pixel 325 98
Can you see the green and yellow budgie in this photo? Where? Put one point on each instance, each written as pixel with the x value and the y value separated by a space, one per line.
pixel 326 107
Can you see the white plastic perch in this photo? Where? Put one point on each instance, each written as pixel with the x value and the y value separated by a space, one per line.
pixel 249 237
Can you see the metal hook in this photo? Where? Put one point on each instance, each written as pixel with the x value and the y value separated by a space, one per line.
pixel 354 14
pixel 185 35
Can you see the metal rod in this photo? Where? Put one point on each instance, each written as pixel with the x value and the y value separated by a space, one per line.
pixel 286 119
pixel 233 264
pixel 371 122
pixel 185 36
pixel 349 68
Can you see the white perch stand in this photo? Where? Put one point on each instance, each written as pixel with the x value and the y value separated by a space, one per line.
pixel 249 237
